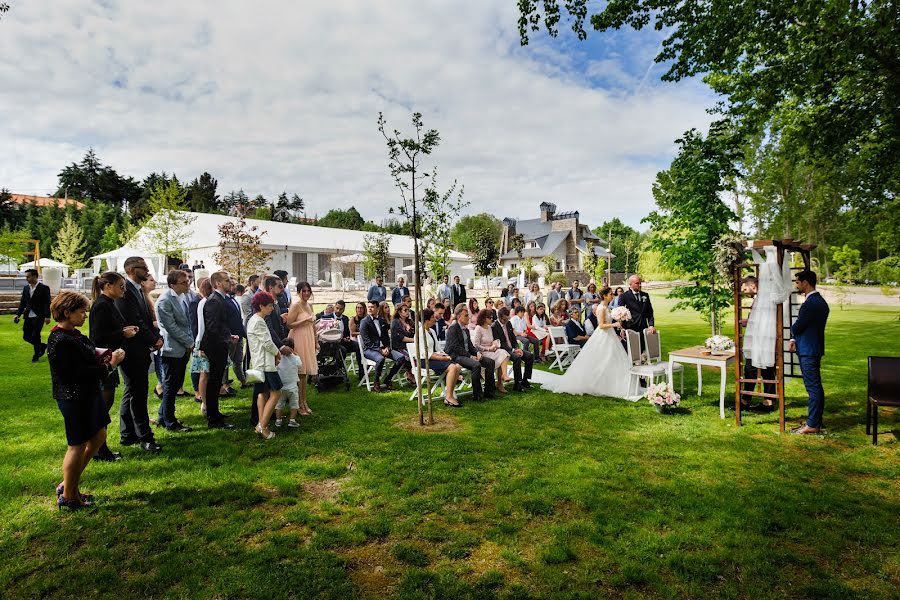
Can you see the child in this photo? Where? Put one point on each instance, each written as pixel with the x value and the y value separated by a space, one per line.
pixel 289 372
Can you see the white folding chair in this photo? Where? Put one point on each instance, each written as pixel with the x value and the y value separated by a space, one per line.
pixel 564 352
pixel 367 366
pixel 653 342
pixel 639 371
pixel 437 381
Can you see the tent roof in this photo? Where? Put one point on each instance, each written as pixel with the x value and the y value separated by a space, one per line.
pixel 45 262
pixel 123 252
pixel 205 234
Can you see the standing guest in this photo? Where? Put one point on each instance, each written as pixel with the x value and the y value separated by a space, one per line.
pixel 534 294
pixel 460 348
pixel 178 343
pixel 108 330
pixel 440 325
pixel 289 374
pixel 284 298
pixel 575 296
pixel 503 331
pixel 264 355
pixel 276 324
pixel 457 294
pixel 443 291
pixel 301 323
pixel 377 292
pixel 638 304
pixel 808 341
pixel 575 333
pixel 615 301
pixel 217 338
pixel 348 342
pixel 484 341
pixel 236 348
pixel 76 372
pixel 199 362
pixel 35 305
pixel 439 362
pixel 147 288
pixel 540 327
pixel 590 299
pixel 134 422
pixel 522 331
pixel 399 291
pixel 376 338
pixel 554 295
pixel 428 292
pixel 402 333
pixel 246 298
pixel 473 314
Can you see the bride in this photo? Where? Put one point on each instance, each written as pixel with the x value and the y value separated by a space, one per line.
pixel 602 367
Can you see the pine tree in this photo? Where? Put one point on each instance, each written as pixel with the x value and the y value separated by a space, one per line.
pixel 69 247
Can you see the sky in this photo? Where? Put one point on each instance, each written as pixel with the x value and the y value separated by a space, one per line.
pixel 273 96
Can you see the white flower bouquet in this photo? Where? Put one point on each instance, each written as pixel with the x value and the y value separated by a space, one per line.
pixel 661 396
pixel 719 343
pixel 621 314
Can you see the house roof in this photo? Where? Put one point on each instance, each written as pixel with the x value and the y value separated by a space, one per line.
pixel 598 250
pixel 205 234
pixel 45 200
pixel 546 245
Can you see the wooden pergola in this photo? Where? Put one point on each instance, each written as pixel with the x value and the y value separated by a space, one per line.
pixel 783 321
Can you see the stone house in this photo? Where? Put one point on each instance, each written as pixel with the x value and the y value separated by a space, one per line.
pixel 560 235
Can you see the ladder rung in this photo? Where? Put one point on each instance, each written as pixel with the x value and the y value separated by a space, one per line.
pixel 759 394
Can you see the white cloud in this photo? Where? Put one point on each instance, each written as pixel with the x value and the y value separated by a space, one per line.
pixel 280 96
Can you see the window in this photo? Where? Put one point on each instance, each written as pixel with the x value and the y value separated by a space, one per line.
pixel 558 266
pixel 325 267
pixel 298 263
pixel 531 245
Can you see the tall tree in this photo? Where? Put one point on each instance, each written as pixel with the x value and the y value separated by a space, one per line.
pixel 376 251
pixel 91 179
pixel 169 225
pixel 201 194
pixel 69 246
pixel 623 241
pixel 691 217
pixel 240 248
pixel 463 233
pixel 343 219
pixel 287 209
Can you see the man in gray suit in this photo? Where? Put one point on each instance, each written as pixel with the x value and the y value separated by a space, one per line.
pixel 175 326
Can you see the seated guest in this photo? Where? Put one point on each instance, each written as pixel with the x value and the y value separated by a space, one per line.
pixel 508 291
pixel 483 340
pixel 440 325
pixel 402 334
pixel 385 311
pixel 76 374
pixel 439 362
pixel 473 313
pixel 537 325
pixel 575 333
pixel 503 331
pixel 514 303
pixel 328 313
pixel 522 331
pixel 348 342
pixel 356 319
pixel 500 303
pixel 431 303
pixel 590 321
pixel 376 338
pixel 489 305
pixel 460 348
pixel 411 315
pixel 559 313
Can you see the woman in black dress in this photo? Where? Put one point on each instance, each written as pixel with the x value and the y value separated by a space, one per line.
pixel 107 330
pixel 76 371
pixel 401 334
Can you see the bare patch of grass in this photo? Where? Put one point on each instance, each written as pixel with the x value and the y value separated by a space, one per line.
pixel 442 424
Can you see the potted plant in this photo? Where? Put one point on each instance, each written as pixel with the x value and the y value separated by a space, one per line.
pixel 662 397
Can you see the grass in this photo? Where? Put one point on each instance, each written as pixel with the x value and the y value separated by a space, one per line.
pixel 531 496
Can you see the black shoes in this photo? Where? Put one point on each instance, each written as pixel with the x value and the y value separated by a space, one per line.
pixel 152 447
pixel 179 427
pixel 761 408
pixel 107 455
pixel 220 425
pixel 490 395
pixel 128 441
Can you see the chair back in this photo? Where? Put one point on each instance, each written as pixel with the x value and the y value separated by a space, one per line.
pixel 633 341
pixel 558 336
pixel 884 378
pixel 654 347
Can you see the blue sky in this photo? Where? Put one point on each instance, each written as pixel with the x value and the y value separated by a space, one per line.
pixel 285 97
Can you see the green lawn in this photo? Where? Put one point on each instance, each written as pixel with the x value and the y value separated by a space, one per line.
pixel 530 496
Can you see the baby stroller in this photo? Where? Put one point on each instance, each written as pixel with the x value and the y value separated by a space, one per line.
pixel 330 357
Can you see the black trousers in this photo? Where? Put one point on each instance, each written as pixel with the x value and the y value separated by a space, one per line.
pixel 173 369
pixel 469 362
pixel 528 359
pixel 218 362
pixel 31 333
pixel 134 422
pixel 750 373
pixel 351 347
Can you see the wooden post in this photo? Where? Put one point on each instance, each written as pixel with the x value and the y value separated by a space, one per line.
pixel 738 343
pixel 779 350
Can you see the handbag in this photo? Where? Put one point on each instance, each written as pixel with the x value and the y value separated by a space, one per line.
pixel 254 376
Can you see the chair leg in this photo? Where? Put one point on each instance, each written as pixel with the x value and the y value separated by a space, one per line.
pixel 874 424
pixel 868 416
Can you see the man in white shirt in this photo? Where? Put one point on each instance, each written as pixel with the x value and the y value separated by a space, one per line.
pixel 520 329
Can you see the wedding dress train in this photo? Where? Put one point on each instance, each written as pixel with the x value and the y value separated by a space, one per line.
pixel 600 369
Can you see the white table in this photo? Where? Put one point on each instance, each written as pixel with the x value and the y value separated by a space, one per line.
pixel 700 356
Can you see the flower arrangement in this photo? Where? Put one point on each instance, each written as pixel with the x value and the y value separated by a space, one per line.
pixel 729 251
pixel 719 343
pixel 661 396
pixel 621 314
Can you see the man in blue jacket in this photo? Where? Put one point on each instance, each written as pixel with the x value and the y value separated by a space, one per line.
pixel 808 342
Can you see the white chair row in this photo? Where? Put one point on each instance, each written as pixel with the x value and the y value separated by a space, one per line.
pixel 464 387
pixel 563 352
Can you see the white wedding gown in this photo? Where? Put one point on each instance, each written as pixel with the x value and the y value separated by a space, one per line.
pixel 600 369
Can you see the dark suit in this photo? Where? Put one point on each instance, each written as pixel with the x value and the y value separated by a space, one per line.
pixel 641 313
pixel 574 330
pixel 39 303
pixel 134 422
pixel 216 338
pixel 236 325
pixel 373 342
pixel 809 335
pixel 457 296
pixel 508 343
pixel 460 348
pixel 398 293
pixel 440 328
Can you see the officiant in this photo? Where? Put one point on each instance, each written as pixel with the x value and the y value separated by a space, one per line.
pixel 638 304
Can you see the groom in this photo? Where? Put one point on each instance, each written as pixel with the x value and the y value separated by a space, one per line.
pixel 808 342
pixel 638 304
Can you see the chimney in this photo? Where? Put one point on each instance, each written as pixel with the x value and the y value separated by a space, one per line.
pixel 547 211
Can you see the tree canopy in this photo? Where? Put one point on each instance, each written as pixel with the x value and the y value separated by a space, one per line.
pixel 465 234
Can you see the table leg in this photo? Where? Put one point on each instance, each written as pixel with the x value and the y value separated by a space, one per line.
pixel 699 380
pixel 722 391
pixel 669 375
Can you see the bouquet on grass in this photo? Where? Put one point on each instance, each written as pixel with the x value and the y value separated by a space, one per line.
pixel 621 314
pixel 661 396
pixel 719 343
